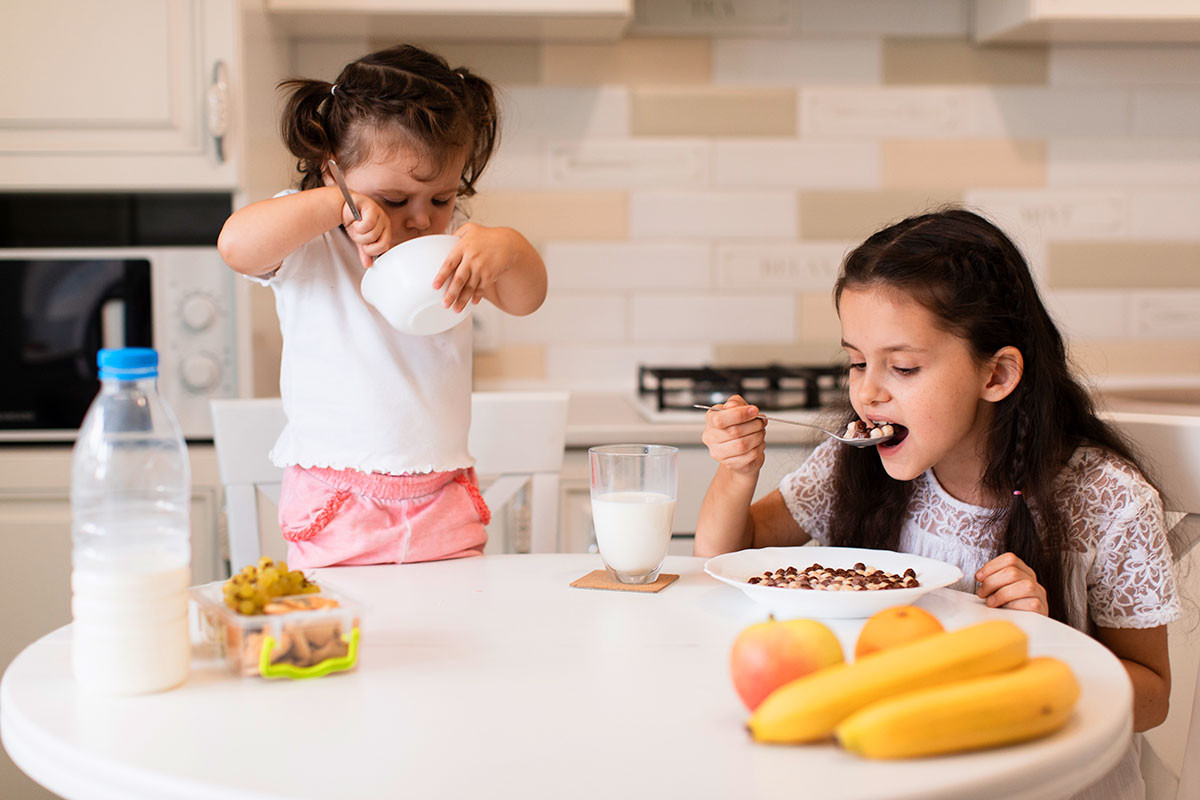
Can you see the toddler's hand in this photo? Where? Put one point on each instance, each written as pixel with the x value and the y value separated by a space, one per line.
pixel 735 436
pixel 481 256
pixel 1007 582
pixel 373 233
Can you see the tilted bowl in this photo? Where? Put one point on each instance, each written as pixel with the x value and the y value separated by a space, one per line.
pixel 400 286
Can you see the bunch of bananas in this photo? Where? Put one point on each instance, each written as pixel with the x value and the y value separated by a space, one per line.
pixel 959 690
pixel 249 590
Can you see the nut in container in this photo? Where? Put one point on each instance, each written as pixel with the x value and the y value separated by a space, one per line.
pixel 284 627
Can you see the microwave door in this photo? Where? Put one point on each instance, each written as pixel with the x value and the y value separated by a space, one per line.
pixel 66 311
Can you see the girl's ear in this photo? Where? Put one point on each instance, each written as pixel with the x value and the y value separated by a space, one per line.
pixel 1005 370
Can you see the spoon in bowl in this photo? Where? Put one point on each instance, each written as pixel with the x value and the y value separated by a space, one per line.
pixel 864 441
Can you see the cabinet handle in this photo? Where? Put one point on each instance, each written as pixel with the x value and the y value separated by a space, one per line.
pixel 217 108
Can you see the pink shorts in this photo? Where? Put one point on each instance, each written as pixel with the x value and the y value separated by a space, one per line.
pixel 333 517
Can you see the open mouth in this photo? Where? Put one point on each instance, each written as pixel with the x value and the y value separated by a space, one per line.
pixel 899 434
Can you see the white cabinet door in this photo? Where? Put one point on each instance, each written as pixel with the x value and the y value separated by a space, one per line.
pixel 115 94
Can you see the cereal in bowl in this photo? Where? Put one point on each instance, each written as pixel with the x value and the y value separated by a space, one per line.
pixel 858 578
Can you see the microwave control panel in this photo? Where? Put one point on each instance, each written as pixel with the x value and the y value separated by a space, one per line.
pixel 195 333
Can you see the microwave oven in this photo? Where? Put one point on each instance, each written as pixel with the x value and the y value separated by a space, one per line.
pixel 83 272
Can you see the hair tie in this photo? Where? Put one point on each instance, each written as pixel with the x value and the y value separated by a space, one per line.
pixel 333 90
pixel 1017 493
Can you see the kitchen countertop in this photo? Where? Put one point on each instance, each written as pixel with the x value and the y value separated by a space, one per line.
pixel 614 418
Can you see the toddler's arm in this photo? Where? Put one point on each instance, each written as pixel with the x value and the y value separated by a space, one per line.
pixel 255 239
pixel 736 438
pixel 497 263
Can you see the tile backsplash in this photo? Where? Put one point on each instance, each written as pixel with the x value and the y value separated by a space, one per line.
pixel 694 185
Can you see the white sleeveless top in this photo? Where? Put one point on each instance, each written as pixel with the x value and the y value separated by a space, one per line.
pixel 1121 573
pixel 358 394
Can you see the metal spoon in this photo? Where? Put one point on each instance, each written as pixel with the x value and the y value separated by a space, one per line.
pixel 336 172
pixel 866 442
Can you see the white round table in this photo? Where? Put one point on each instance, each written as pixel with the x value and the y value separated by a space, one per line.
pixel 491 677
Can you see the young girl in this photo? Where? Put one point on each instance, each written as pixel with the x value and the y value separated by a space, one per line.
pixel 375 446
pixel 1000 467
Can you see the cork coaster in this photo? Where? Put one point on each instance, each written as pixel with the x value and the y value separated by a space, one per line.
pixel 600 579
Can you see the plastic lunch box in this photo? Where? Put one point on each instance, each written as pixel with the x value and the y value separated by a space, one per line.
pixel 298 644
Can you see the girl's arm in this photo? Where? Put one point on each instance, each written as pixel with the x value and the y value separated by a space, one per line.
pixel 736 438
pixel 255 239
pixel 1007 582
pixel 497 263
pixel 1143 652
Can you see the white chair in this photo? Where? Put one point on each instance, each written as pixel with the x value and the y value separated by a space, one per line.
pixel 1170 447
pixel 517 438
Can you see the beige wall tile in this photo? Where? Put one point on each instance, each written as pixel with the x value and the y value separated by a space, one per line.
pixel 632 62
pixel 503 63
pixel 555 215
pixel 958 61
pixel 817 321
pixel 1098 358
pixel 964 164
pixel 1123 265
pixel 511 362
pixel 714 111
pixel 790 353
pixel 853 216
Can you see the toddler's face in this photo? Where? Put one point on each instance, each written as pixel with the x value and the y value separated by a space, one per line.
pixel 905 369
pixel 416 202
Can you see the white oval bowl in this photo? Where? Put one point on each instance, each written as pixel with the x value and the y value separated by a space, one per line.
pixel 736 568
pixel 400 286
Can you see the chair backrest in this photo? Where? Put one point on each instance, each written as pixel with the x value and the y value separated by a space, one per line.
pixel 1170 446
pixel 517 438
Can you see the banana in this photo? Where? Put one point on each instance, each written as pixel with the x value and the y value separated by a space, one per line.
pixel 1033 700
pixel 809 708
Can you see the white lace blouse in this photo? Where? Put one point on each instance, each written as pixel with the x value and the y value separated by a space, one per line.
pixel 1120 573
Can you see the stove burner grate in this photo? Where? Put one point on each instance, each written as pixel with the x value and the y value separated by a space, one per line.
pixel 773 387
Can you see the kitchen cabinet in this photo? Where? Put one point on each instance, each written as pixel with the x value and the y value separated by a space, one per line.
pixel 456 19
pixel 1012 21
pixel 120 94
pixel 696 470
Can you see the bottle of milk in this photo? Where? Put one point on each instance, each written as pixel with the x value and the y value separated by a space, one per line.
pixel 130 489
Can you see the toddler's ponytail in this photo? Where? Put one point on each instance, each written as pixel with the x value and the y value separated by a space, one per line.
pixel 401 95
pixel 480 101
pixel 305 127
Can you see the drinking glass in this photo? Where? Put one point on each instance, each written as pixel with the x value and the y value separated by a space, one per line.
pixel 633 507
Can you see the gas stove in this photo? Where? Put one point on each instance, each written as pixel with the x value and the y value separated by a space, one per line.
pixel 669 393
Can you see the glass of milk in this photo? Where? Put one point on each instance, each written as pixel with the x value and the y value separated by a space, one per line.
pixel 633 507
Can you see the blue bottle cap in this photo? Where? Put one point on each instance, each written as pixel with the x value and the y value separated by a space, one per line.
pixel 128 363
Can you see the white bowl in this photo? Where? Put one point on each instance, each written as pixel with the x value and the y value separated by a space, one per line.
pixel 400 286
pixel 736 568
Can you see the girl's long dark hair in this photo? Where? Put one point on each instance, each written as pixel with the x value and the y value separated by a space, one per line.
pixel 402 90
pixel 974 281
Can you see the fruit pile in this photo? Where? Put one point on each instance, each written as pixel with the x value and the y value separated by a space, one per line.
pixel 250 590
pixel 914 689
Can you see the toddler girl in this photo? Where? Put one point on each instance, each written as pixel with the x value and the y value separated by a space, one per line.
pixel 1001 465
pixel 375 446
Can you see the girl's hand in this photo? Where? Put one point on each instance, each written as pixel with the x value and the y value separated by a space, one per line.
pixel 373 233
pixel 735 436
pixel 1007 582
pixel 481 256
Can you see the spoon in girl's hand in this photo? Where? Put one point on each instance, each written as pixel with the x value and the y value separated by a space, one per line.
pixel 864 441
